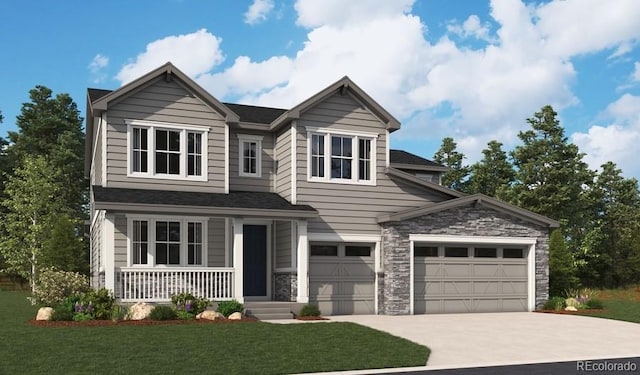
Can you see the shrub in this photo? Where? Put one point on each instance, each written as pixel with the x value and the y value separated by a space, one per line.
pixel 82 317
pixel 188 303
pixel 53 286
pixel 60 313
pixel 101 301
pixel 227 308
pixel 162 312
pixel 118 313
pixel 310 310
pixel 594 303
pixel 555 303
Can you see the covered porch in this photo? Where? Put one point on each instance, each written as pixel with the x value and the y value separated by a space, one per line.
pixel 149 253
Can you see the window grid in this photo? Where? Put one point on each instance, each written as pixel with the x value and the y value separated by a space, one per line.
pixel 341 157
pixel 194 154
pixel 350 158
pixel 167 152
pixel 167 242
pixel 317 155
pixel 194 243
pixel 140 150
pixel 364 159
pixel 140 241
pixel 249 157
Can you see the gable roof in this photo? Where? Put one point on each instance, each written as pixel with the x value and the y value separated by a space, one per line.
pixel 255 114
pixel 95 94
pixel 170 72
pixel 480 199
pixel 406 160
pixel 393 172
pixel 343 85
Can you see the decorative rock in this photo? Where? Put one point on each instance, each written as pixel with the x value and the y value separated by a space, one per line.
pixel 44 313
pixel 139 311
pixel 235 316
pixel 571 302
pixel 210 315
pixel 570 308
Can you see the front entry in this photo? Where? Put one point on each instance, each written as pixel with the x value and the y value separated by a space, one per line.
pixel 255 260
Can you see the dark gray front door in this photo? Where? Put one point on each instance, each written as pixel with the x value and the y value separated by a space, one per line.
pixel 255 260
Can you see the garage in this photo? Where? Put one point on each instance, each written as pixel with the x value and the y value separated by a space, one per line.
pixel 456 277
pixel 342 277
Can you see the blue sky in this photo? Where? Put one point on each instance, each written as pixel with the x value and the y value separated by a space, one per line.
pixel 470 69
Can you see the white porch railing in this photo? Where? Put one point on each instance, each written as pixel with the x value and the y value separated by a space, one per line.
pixel 160 284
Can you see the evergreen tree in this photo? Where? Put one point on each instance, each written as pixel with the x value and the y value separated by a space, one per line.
pixel 493 175
pixel 63 247
pixel 455 178
pixel 561 266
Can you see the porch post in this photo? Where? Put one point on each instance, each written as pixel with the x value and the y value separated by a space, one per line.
pixel 109 246
pixel 303 263
pixel 238 261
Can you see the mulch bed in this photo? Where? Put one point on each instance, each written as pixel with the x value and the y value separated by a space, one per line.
pixel 565 312
pixel 310 318
pixel 144 322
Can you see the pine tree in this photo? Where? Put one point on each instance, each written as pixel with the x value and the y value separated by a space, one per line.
pixel 493 175
pixel 455 178
pixel 561 266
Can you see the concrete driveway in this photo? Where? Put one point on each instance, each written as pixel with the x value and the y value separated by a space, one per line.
pixel 469 340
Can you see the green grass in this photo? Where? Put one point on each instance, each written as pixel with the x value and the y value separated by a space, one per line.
pixel 619 304
pixel 242 348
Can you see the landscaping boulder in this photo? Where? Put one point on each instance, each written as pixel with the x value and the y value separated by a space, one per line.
pixel 140 310
pixel 571 308
pixel 235 316
pixel 210 315
pixel 44 313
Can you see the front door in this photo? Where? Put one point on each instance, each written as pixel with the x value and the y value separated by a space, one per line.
pixel 255 260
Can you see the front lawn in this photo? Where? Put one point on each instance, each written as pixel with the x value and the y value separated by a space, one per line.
pixel 619 304
pixel 239 348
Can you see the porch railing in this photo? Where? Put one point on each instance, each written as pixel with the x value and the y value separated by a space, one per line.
pixel 160 284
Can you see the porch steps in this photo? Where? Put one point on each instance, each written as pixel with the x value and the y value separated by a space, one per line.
pixel 269 310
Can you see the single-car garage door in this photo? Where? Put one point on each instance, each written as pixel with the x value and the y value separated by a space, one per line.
pixel 460 278
pixel 341 278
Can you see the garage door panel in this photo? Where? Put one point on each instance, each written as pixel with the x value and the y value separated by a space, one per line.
pixel 485 287
pixel 514 269
pixel 514 287
pixel 486 269
pixel 453 270
pixel 515 304
pixel 457 288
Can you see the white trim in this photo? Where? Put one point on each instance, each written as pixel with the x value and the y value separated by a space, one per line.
pixel 294 240
pixel 151 150
pixel 355 158
pixel 108 244
pixel 242 140
pixel 412 286
pixel 269 265
pixel 238 261
pixel 377 269
pixel 530 242
pixel 337 237
pixel 303 262
pixel 387 146
pixel 151 242
pixel 105 127
pixel 227 243
pixel 226 158
pixel 294 162
pixel 337 131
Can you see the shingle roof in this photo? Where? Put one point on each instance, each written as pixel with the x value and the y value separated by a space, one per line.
pixel 403 157
pixel 255 114
pixel 235 199
pixel 95 94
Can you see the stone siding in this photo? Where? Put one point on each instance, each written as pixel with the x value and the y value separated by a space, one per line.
pixel 285 286
pixel 471 220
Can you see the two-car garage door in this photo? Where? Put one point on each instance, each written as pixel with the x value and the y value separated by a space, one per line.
pixel 457 278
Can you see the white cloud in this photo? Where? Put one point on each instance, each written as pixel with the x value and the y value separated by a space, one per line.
pixel 471 27
pixel 635 76
pixel 96 68
pixel 258 11
pixel 314 13
pixel 195 54
pixel 616 141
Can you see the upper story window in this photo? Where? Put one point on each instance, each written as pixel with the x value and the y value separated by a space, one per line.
pixel 341 156
pixel 250 155
pixel 169 151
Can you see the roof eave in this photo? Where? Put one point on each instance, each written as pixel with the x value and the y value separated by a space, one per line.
pixel 426 184
pixel 418 167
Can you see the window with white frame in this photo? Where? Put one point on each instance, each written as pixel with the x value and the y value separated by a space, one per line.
pixel 167 242
pixel 348 157
pixel 250 155
pixel 161 150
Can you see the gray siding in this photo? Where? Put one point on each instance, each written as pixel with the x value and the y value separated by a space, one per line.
pixel 120 240
pixel 96 249
pixel 215 243
pixel 263 183
pixel 351 208
pixel 96 169
pixel 283 244
pixel 283 156
pixel 165 102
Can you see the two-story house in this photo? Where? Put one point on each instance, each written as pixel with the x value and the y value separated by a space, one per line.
pixel 307 204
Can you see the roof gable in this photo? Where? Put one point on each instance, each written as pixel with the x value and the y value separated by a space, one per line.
pixel 406 160
pixel 480 199
pixel 342 86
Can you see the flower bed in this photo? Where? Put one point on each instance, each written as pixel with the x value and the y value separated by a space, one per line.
pixel 144 322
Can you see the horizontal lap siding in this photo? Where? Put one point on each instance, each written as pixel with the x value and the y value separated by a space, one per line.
pixel 96 247
pixel 350 208
pixel 120 240
pixel 96 170
pixel 283 156
pixel 263 183
pixel 164 102
pixel 283 244
pixel 215 243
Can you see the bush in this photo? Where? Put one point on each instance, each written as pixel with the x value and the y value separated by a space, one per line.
pixel 310 310
pixel 53 286
pixel 60 314
pixel 101 301
pixel 555 303
pixel 594 303
pixel 162 312
pixel 118 313
pixel 227 308
pixel 190 304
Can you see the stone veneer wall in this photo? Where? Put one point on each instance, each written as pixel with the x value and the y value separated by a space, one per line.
pixel 285 286
pixel 472 220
